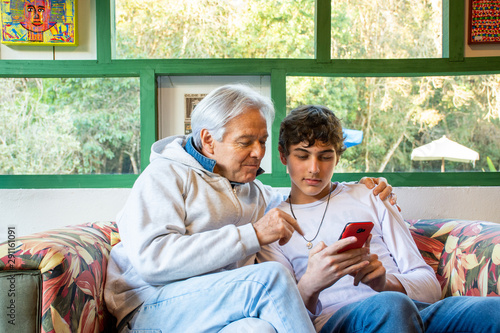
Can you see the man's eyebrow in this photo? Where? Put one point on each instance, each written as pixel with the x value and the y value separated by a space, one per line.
pixel 250 136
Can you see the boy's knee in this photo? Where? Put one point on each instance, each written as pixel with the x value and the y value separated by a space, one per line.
pixel 483 306
pixel 395 297
pixel 383 312
pixel 395 301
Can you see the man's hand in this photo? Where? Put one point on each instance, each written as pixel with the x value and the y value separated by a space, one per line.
pixel 382 189
pixel 276 225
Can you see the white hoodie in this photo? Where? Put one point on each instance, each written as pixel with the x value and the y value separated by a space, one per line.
pixel 180 221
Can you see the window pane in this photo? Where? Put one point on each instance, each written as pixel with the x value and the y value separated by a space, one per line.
pixel 69 126
pixel 386 29
pixel 214 29
pixel 397 115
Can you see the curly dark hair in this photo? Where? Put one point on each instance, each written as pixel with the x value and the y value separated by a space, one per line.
pixel 309 123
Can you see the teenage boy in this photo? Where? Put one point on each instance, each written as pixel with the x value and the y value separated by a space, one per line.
pixel 384 286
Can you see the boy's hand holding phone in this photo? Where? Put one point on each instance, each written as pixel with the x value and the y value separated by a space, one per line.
pixel 360 230
pixel 373 274
pixel 326 266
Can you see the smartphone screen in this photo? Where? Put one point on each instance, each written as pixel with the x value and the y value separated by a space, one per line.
pixel 361 230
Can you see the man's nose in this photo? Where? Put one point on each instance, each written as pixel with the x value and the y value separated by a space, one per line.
pixel 258 150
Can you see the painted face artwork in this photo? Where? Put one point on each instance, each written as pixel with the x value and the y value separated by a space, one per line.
pixel 37 18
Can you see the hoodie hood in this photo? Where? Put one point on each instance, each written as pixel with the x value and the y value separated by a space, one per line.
pixel 172 148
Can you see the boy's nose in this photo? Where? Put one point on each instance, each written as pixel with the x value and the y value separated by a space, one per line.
pixel 314 166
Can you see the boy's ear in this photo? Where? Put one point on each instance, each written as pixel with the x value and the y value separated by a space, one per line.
pixel 282 156
pixel 207 141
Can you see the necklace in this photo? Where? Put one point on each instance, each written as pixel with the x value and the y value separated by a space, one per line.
pixel 309 243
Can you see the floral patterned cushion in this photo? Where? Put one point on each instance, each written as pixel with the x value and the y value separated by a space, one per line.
pixel 471 261
pixel 73 263
pixel 430 237
pixel 464 254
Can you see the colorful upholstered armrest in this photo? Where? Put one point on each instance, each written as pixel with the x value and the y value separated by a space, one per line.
pixel 464 254
pixel 72 262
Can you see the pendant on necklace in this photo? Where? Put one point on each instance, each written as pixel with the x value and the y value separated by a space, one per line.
pixel 309 243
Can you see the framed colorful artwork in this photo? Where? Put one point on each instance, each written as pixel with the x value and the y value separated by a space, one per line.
pixel 484 21
pixel 39 22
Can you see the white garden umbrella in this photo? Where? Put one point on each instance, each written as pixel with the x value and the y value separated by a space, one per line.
pixel 444 149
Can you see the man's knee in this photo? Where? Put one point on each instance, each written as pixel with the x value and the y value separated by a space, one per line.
pixel 275 271
pixel 249 325
pixel 271 275
pixel 272 266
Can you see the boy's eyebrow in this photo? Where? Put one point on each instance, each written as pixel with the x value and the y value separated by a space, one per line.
pixel 329 150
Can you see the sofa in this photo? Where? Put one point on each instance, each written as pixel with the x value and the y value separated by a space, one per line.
pixel 53 281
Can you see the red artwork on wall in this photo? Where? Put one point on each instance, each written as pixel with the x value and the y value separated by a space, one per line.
pixel 484 21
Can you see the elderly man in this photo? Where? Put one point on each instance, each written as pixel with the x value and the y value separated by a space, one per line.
pixel 195 218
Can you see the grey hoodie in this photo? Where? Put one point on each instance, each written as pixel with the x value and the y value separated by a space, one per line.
pixel 180 221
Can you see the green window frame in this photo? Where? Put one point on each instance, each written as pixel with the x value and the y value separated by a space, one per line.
pixel 452 63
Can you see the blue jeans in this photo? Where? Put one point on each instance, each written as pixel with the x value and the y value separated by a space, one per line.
pixel 396 312
pixel 209 302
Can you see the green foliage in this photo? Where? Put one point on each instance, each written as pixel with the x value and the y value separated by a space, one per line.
pixel 490 164
pixel 386 29
pixel 65 126
pixel 214 29
pixel 397 115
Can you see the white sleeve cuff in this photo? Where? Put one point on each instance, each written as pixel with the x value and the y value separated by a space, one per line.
pixel 249 239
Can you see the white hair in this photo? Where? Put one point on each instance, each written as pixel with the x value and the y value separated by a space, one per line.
pixel 223 104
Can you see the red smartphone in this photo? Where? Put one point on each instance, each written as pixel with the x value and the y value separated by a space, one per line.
pixel 361 230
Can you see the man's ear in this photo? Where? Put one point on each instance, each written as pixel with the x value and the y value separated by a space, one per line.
pixel 282 156
pixel 338 160
pixel 207 141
